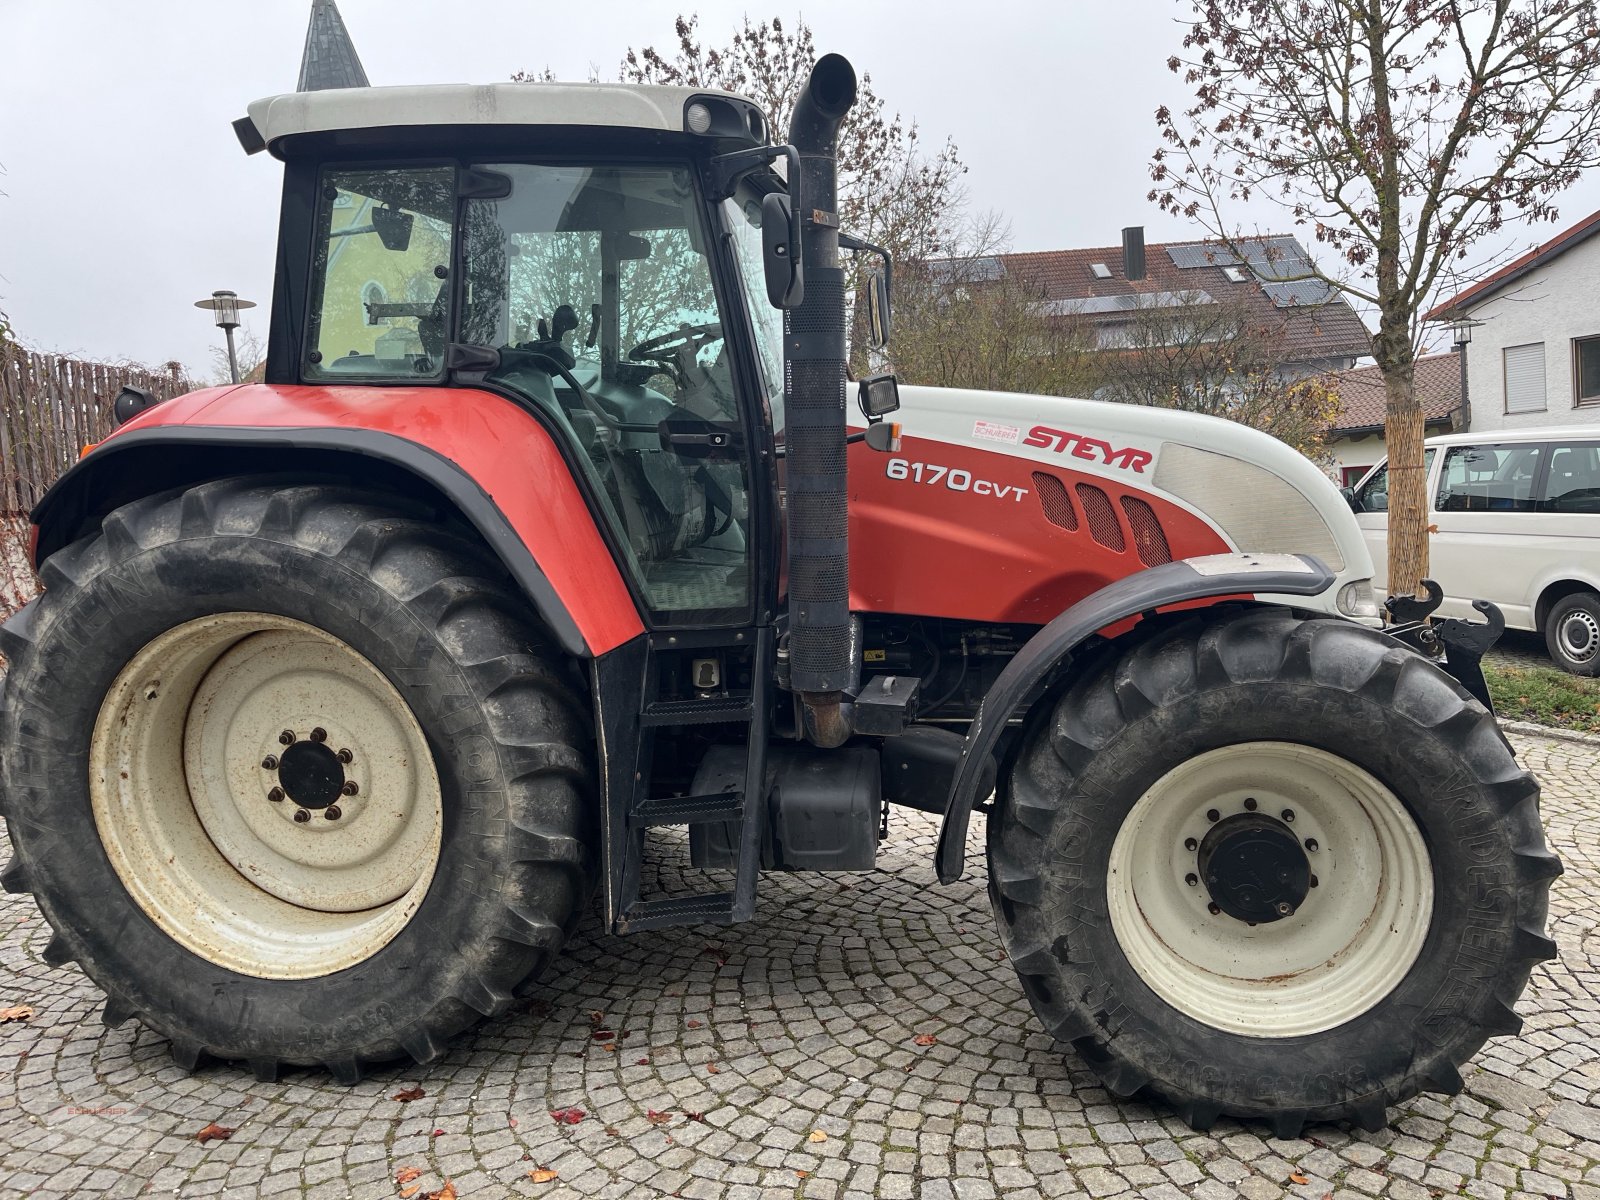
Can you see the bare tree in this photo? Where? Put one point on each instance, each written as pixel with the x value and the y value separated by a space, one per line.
pixel 892 190
pixel 1216 358
pixel 248 349
pixel 1403 133
pixel 959 322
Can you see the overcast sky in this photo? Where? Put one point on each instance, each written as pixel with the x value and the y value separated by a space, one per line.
pixel 127 197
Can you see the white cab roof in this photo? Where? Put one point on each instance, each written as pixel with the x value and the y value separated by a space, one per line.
pixel 1501 437
pixel 631 106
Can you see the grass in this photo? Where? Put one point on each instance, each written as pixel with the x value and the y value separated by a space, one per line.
pixel 1544 695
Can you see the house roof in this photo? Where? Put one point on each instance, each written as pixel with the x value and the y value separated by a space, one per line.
pixel 1363 402
pixel 330 59
pixel 1270 283
pixel 1517 268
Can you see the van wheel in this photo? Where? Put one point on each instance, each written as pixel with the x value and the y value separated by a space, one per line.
pixel 1572 633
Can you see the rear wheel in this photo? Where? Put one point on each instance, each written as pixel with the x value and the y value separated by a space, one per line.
pixel 1572 633
pixel 292 776
pixel 1271 868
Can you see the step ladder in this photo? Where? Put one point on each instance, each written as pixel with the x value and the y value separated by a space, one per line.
pixel 640 811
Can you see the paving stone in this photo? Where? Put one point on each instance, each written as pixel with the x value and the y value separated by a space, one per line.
pixel 809 1013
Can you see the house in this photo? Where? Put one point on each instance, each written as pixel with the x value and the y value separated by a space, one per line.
pixel 1534 354
pixel 1356 439
pixel 1113 289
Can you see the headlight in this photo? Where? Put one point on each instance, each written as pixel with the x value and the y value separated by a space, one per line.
pixel 1355 599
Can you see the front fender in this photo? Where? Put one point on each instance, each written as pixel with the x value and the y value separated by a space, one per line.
pixel 1188 580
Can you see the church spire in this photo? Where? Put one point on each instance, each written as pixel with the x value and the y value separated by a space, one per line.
pixel 330 60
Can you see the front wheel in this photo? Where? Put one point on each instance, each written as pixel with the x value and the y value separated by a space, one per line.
pixel 1572 633
pixel 1271 868
pixel 293 776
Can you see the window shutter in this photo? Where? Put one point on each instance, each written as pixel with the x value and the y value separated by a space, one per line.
pixel 1525 390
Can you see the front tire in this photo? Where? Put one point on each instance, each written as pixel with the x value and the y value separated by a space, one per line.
pixel 292 775
pixel 1272 868
pixel 1572 633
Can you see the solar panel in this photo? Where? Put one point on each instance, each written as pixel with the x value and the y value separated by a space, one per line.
pixel 1298 291
pixel 1136 302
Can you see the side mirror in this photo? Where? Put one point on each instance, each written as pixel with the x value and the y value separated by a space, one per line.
pixel 1349 494
pixel 393 228
pixel 780 251
pixel 878 395
pixel 878 312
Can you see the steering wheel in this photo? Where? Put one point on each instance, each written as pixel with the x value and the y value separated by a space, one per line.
pixel 665 348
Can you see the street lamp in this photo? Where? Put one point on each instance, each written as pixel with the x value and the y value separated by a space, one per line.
pixel 225 308
pixel 1461 334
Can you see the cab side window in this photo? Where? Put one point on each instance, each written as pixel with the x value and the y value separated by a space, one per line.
pixel 1489 478
pixel 1374 494
pixel 1573 485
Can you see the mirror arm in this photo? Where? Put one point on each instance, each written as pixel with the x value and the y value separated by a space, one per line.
pixel 850 241
pixel 728 169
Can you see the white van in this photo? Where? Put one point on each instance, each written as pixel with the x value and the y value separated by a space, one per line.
pixel 1517 521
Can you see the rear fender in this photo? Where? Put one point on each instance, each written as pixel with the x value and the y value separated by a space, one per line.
pixel 1186 581
pixel 504 475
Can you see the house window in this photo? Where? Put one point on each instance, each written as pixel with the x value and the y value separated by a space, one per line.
pixel 1350 476
pixel 1586 370
pixel 1524 367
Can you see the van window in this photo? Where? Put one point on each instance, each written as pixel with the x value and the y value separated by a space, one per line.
pixel 1374 496
pixel 1489 478
pixel 1573 485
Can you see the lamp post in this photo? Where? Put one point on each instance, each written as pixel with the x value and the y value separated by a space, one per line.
pixel 225 307
pixel 1461 334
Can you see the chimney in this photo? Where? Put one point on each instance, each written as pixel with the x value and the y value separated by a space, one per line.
pixel 1133 252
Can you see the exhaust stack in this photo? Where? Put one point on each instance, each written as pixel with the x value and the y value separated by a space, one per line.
pixel 821 654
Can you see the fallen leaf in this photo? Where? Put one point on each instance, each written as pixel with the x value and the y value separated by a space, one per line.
pixel 817 1136
pixel 713 1069
pixel 643 1062
pixel 17 1012
pixel 567 1116
pixel 512 1121
pixel 609 1046
pixel 602 1035
pixel 407 1174
pixel 657 1118
pixel 437 1133
pixel 543 1175
pixel 613 1131
pixel 1296 1177
pixel 925 1039
pixel 694 1116
pixel 693 1024
pixel 408 1095
pixel 447 1192
pixel 596 1017
pixel 411 1190
pixel 803 1174
pixel 1433 529
pixel 213 1133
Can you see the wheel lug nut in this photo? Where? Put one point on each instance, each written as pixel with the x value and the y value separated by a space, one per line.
pixel 275 795
pixel 1192 879
pixel 1190 844
pixel 1213 815
pixel 1288 814
pixel 1284 908
pixel 345 756
pixel 301 816
pixel 286 738
pixel 269 763
pixel 1250 803
pixel 1311 845
pixel 1213 909
pixel 1313 881
pixel 332 812
pixel 319 734
pixel 350 788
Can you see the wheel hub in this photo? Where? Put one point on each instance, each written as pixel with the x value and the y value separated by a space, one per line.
pixel 311 774
pixel 1580 635
pixel 1254 868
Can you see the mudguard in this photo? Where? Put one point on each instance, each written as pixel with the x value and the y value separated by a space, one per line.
pixel 500 468
pixel 1212 577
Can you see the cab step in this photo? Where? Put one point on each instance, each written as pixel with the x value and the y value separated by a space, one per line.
pixel 715 908
pixel 689 810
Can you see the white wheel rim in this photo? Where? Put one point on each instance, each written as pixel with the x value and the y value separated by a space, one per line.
pixel 1580 635
pixel 273 860
pixel 1344 948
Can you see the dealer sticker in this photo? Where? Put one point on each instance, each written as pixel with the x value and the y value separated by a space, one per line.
pixel 994 431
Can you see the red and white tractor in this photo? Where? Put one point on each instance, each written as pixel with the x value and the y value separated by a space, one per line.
pixel 551 525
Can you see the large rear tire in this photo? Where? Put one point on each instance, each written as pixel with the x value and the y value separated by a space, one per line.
pixel 1273 868
pixel 293 776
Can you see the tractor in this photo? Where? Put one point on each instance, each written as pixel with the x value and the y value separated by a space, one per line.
pixel 553 524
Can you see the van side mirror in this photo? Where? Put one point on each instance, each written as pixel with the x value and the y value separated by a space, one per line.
pixel 1349 494
pixel 780 251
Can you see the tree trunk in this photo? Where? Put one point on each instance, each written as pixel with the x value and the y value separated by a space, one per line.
pixel 1408 479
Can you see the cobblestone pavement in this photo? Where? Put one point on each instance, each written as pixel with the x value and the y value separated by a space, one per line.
pixel 1521 648
pixel 781 1059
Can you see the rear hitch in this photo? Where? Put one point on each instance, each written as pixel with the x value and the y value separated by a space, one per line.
pixel 1458 646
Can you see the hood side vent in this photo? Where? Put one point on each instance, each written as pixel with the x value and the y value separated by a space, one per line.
pixel 1102 518
pixel 1054 500
pixel 1149 539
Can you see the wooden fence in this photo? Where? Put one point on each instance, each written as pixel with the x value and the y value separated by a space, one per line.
pixel 51 407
